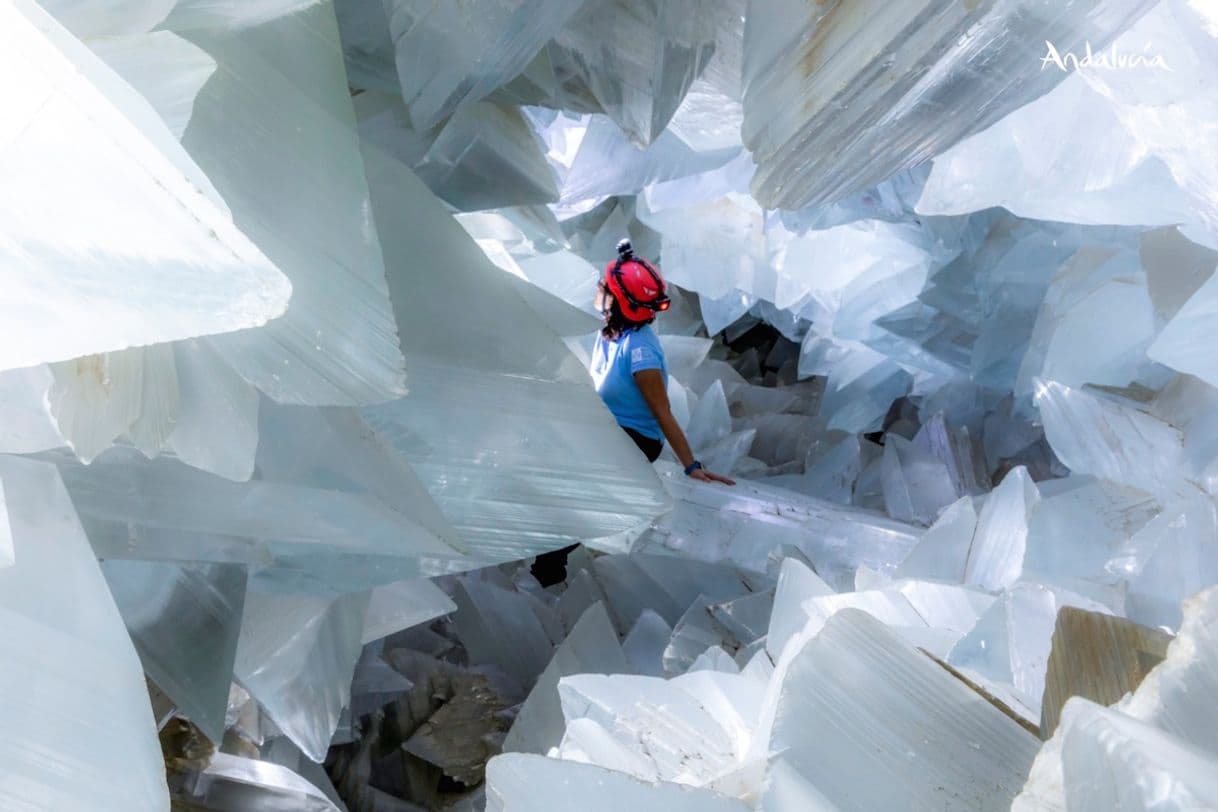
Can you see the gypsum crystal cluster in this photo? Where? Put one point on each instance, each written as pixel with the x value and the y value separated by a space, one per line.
pixel 299 305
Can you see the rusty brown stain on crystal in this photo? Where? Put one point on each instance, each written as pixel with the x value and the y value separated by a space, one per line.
pixel 1099 657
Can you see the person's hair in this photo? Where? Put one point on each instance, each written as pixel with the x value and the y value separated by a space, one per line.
pixel 617 323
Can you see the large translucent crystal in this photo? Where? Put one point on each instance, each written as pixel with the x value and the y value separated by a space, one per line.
pixel 1081 529
pixel 1011 642
pixel 317 537
pixel 487 156
pixel 135 207
pixel 744 524
pixel 190 14
pixel 840 96
pixel 216 426
pixel 1176 698
pixel 1111 761
pixel 1131 166
pixel 449 54
pixel 645 643
pixel 167 70
pixel 995 559
pixel 942 552
pixel 513 780
pixel 499 628
pixel 501 423
pixel 1179 345
pixel 666 585
pixel 296 655
pixel 796 583
pixel 592 647
pixel 184 620
pixel 275 132
pixel 397 606
pixel 1168 559
pixel 28 425
pixel 84 19
pixel 234 782
pixel 1110 439
pixel 1099 299
pixel 78 731
pixel 917 485
pixel 637 59
pixel 856 702
pixel 693 729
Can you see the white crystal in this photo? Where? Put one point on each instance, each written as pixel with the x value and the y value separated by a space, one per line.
pixel 216 425
pixel 449 55
pixel 166 69
pixel 1168 559
pixel 1178 347
pixel 296 655
pixel 644 645
pixel 995 559
pixel 138 208
pixel 591 647
pixel 1111 761
pixel 942 552
pixel 488 156
pixel 397 606
pixel 835 96
pixel 193 14
pixel 83 735
pixel 796 584
pixel 856 702
pixel 1111 440
pixel 917 485
pixel 97 398
pixel 275 132
pixel 492 389
pixel 28 425
pixel 245 783
pixel 637 61
pixel 184 620
pixel 499 628
pixel 1011 641
pixel 744 524
pixel 85 20
pixel 513 780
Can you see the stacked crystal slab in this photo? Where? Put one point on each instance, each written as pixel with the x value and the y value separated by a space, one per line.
pixel 839 96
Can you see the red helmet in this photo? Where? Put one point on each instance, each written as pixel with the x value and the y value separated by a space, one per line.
pixel 637 287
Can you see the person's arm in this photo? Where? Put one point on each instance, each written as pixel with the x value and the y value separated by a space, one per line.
pixel 655 393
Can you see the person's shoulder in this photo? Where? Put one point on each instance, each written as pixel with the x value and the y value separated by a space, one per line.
pixel 647 335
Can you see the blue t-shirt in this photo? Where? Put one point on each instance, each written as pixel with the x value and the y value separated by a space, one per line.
pixel 613 366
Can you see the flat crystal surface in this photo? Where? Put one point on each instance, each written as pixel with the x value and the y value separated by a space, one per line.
pixel 138 209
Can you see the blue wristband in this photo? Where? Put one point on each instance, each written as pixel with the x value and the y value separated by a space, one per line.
pixel 693 466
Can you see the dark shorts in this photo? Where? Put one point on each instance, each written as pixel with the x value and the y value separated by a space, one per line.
pixel 551 568
pixel 650 446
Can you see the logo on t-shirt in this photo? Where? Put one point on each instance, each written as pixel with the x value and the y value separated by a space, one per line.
pixel 638 355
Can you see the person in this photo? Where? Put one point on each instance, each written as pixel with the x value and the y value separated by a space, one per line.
pixel 628 364
pixel 631 377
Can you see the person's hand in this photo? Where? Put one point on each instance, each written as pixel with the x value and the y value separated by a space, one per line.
pixel 710 476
